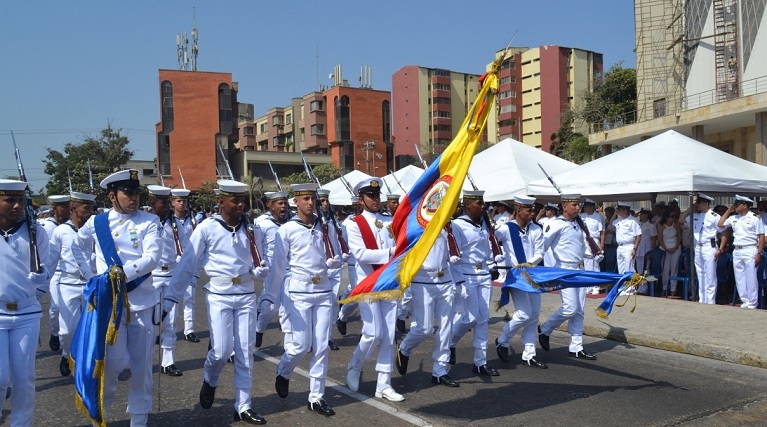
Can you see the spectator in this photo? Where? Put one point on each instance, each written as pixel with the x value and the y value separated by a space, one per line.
pixel 669 234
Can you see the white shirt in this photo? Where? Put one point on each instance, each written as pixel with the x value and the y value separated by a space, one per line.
pixel 500 218
pixel 473 241
pixel 746 229
pixel 705 226
pixel 532 243
pixel 169 258
pixel 565 241
pixel 137 244
pixel 434 268
pixel 380 225
pixel 68 256
pixel 626 230
pixel 14 263
pixel 649 230
pixel 595 224
pixel 344 225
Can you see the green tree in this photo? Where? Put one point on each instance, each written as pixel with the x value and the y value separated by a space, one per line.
pixel 204 196
pixel 325 173
pixel 571 145
pixel 613 100
pixel 107 152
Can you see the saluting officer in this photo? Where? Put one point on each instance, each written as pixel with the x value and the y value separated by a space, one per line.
pixel 59 215
pixel 748 236
pixel 705 225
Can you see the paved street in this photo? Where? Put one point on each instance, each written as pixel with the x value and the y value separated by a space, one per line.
pixel 629 384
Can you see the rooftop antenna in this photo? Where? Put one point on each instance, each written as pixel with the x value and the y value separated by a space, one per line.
pixel 195 44
pixel 182 44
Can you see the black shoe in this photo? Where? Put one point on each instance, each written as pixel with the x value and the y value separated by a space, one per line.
pixel 445 380
pixel 503 352
pixel 191 337
pixel 401 361
pixel 401 326
pixel 259 339
pixel 543 339
pixel 171 370
pixel 157 340
pixel 8 393
pixel 64 367
pixel 332 345
pixel 452 356
pixel 210 346
pixel 282 385
pixel 536 364
pixel 485 370
pixel 249 416
pixel 583 355
pixel 207 395
pixel 54 343
pixel 321 408
pixel 341 325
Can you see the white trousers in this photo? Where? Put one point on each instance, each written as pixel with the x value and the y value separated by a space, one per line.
pixel 71 304
pixel 625 261
pixel 379 321
pixel 310 320
pixel 53 310
pixel 335 278
pixel 18 346
pixel 527 309
pixel 168 326
pixel 429 301
pixel 744 264
pixel 232 320
pixel 705 267
pixel 349 308
pixel 573 301
pixel 189 308
pixel 133 350
pixel 405 305
pixel 475 317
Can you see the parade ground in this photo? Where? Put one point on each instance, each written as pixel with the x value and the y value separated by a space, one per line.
pixel 671 362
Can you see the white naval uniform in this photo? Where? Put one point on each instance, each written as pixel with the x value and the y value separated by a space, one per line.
pixel 334 275
pixel 73 265
pixel 270 299
pixel 137 244
pixel 379 318
pixel 564 239
pixel 50 224
pixel 185 229
pixel 351 262
pixel 161 279
pixel 649 230
pixel 473 243
pixel 300 248
pixel 20 314
pixel 527 305
pixel 433 292
pixel 548 261
pixel 704 231
pixel 501 218
pixel 626 230
pixel 595 224
pixel 746 231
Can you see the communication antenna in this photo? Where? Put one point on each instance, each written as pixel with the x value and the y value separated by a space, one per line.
pixel 186 63
pixel 195 44
pixel 366 76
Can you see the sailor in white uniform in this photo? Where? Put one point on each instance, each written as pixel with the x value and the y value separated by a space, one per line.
pixel 705 225
pixel 136 240
pixel 347 309
pixel 595 223
pixel 20 310
pixel 628 233
pixel 334 274
pixel 748 243
pixel 186 223
pixel 59 214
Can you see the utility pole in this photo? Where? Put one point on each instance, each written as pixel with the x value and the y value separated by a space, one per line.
pixel 367 146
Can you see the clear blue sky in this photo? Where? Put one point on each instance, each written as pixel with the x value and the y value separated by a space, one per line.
pixel 70 67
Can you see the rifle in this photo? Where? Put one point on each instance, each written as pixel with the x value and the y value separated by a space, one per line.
pixel 191 214
pixel 276 178
pixel 226 161
pixel 398 181
pixel 592 244
pixel 329 252
pixel 346 184
pixel 496 248
pixel 423 162
pixel 70 180
pixel 29 215
pixel 90 175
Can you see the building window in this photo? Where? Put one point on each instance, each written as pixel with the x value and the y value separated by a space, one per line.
pixel 441 100
pixel 318 129
pixel 347 154
pixel 343 124
pixel 442 73
pixel 288 119
pixel 262 128
pixel 441 86
pixel 225 122
pixel 442 114
pixel 167 106
pixel 278 141
pixel 386 121
pixel 163 153
pixel 248 131
pixel 277 121
pixel 316 106
pixel 659 108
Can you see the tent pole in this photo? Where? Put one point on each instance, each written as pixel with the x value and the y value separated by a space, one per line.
pixel 693 284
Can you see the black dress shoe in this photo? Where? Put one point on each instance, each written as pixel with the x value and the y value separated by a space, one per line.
pixel 191 337
pixel 54 343
pixel 8 393
pixel 207 395
pixel 445 380
pixel 249 416
pixel 536 364
pixel 401 326
pixel 401 361
pixel 282 385
pixel 321 408
pixel 230 359
pixel 341 326
pixel 503 352
pixel 64 367
pixel 583 355
pixel 332 345
pixel 210 345
pixel 157 340
pixel 171 370
pixel 485 370
pixel 259 339
pixel 543 339
pixel 452 356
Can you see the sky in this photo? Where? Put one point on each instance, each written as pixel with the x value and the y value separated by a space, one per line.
pixel 70 68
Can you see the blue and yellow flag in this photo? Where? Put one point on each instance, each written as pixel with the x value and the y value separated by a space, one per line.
pixel 429 205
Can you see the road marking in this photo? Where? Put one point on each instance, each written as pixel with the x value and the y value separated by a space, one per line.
pixel 381 406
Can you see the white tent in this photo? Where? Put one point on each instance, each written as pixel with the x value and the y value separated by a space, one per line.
pixel 505 169
pixel 406 176
pixel 667 163
pixel 339 195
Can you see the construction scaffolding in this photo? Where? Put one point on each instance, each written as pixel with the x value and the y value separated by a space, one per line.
pixel 726 50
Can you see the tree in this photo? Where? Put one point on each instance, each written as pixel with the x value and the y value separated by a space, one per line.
pixel 255 189
pixel 571 145
pixel 204 196
pixel 613 100
pixel 325 173
pixel 108 153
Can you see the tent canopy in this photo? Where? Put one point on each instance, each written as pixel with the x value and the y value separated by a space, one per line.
pixel 504 170
pixel 406 176
pixel 339 195
pixel 669 163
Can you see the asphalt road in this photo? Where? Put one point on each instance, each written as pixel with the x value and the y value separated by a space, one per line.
pixel 628 386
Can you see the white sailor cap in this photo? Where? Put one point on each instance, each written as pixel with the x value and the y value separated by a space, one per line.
pixel 180 193
pixel 674 201
pixel 551 206
pixel 45 211
pixel 704 198
pixel 127 179
pixel 354 199
pixel 473 194
pixel 505 203
pixel 58 199
pixel 230 187
pixel 588 201
pixel 570 198
pixel 303 189
pixel 276 195
pixel 86 198
pixel 369 186
pixel 524 201
pixel 12 187
pixel 158 191
pixel 743 199
pixel 623 205
pixel 323 193
pixel 393 196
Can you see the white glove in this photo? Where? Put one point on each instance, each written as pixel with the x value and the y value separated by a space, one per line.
pixel 263 264
pixel 455 259
pixel 39 294
pixel 499 259
pixel 178 259
pixel 39 278
pixel 599 258
pixel 261 272
pixel 463 292
pixel 344 257
pixel 334 262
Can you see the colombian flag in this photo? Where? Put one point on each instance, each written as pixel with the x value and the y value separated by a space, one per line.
pixel 429 205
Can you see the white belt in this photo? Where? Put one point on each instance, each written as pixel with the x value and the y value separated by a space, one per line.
pixel 626 244
pixel 72 276
pixel 238 280
pixel 18 305
pixel 569 264
pixel 744 246
pixel 316 279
